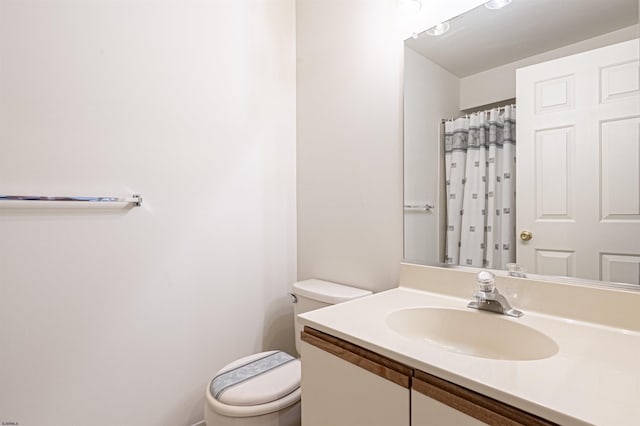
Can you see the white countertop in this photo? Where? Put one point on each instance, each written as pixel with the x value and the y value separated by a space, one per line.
pixel 594 378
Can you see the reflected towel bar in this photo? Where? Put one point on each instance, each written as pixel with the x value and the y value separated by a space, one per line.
pixel 136 199
pixel 421 207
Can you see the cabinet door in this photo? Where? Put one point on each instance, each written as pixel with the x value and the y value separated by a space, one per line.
pixel 436 402
pixel 343 388
pixel 427 411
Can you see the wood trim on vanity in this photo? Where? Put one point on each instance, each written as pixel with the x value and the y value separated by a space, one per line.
pixel 476 405
pixel 377 364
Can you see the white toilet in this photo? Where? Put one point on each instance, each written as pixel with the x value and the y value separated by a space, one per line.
pixel 263 389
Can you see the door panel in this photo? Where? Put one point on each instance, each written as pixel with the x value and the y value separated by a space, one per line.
pixel 620 169
pixel 620 268
pixel 554 173
pixel 555 262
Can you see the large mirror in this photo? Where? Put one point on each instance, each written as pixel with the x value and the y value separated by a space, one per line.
pixel 522 140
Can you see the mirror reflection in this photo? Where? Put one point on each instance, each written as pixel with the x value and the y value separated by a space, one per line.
pixel 522 140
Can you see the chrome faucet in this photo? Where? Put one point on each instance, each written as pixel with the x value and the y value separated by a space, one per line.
pixel 489 299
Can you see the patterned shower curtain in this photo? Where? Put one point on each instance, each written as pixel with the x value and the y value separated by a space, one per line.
pixel 480 160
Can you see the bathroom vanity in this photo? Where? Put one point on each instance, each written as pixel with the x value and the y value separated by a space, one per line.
pixel 417 355
pixel 369 389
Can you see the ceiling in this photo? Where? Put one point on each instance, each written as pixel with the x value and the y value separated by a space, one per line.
pixel 482 39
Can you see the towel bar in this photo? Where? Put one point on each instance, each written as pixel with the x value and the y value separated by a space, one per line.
pixel 23 200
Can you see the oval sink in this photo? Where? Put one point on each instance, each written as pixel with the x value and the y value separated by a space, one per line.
pixel 476 333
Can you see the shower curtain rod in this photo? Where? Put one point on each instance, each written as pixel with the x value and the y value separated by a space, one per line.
pixel 501 108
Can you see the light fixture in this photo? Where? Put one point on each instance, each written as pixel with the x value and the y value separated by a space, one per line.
pixel 409 7
pixel 439 29
pixel 497 4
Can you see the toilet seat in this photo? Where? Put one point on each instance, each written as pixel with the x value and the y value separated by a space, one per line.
pixel 281 405
pixel 267 392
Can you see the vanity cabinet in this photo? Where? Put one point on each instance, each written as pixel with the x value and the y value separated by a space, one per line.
pixel 346 385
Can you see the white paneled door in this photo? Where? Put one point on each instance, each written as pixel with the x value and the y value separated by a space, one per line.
pixel 578 165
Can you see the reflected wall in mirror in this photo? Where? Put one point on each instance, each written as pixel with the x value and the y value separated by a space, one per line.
pixel 522 140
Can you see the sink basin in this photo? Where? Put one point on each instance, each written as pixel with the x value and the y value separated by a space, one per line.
pixel 476 333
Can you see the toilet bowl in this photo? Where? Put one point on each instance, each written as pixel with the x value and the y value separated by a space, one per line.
pixel 263 389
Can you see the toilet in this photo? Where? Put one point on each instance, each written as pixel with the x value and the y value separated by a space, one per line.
pixel 263 389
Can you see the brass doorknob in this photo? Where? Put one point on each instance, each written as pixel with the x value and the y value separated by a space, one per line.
pixel 526 235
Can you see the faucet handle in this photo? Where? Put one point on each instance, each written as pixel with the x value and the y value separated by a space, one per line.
pixel 486 281
pixel 516 270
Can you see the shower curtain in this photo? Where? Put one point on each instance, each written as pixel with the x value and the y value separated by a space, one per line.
pixel 480 186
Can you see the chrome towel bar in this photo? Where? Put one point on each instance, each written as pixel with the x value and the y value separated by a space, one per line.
pixel 421 207
pixel 136 199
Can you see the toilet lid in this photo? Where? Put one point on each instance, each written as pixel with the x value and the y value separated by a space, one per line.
pixel 257 379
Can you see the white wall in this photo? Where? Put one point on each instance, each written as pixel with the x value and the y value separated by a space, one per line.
pixel 349 136
pixel 122 317
pixel 349 156
pixel 431 93
pixel 499 83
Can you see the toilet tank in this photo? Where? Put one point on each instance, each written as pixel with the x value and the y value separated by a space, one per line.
pixel 315 294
